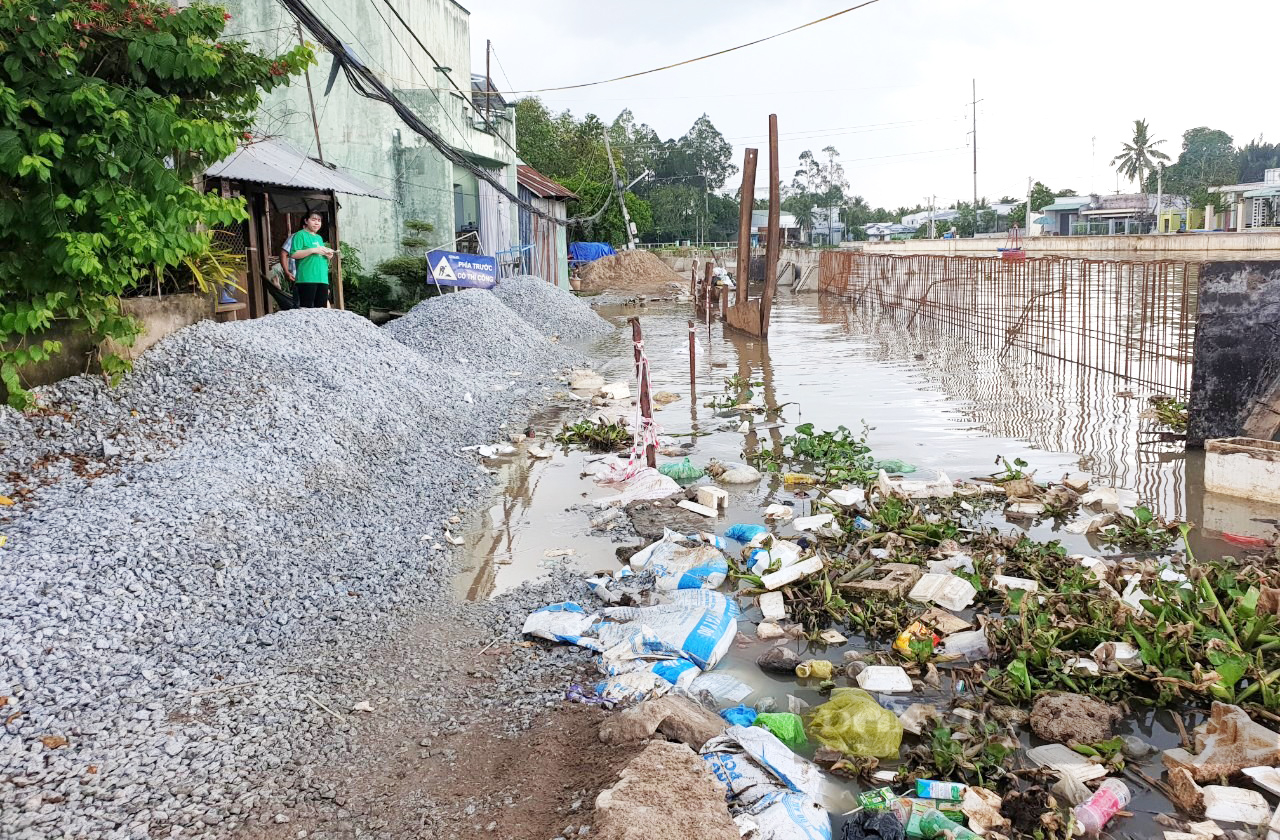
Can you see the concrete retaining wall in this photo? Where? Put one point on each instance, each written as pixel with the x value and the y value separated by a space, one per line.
pixel 1181 246
pixel 160 316
pixel 793 263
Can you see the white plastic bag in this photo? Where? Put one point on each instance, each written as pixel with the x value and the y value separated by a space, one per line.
pixel 647 483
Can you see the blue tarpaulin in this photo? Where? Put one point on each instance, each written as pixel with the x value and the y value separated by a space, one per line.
pixel 588 251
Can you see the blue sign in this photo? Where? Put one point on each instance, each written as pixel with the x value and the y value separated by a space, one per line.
pixel 469 270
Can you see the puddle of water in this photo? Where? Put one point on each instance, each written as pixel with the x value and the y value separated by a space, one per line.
pixel 931 401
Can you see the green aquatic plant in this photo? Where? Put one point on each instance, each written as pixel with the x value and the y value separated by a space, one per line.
pixel 601 436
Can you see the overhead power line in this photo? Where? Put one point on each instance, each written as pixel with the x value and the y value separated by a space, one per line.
pixel 822 19
pixel 366 83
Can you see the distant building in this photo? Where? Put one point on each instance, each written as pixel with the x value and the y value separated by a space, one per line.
pixel 1255 205
pixel 942 219
pixel 825 231
pixel 887 231
pixel 788 226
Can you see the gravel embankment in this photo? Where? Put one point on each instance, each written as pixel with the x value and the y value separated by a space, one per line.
pixel 549 309
pixel 474 329
pixel 197 559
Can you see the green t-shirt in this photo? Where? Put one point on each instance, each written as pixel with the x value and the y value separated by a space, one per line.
pixel 312 269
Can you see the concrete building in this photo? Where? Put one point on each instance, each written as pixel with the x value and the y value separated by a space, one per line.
pixel 1116 215
pixel 1062 214
pixel 825 230
pixel 887 231
pixel 1248 206
pixel 368 140
pixel 788 226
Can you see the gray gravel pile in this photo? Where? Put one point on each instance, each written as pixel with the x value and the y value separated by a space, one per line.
pixel 199 560
pixel 550 309
pixel 473 328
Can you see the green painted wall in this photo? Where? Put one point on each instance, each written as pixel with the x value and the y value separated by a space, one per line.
pixel 366 137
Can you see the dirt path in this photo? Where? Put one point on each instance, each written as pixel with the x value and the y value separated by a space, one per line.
pixel 413 769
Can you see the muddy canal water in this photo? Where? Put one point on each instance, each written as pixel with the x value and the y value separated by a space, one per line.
pixel 928 399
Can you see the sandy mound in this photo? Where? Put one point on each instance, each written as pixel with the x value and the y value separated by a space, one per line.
pixel 630 271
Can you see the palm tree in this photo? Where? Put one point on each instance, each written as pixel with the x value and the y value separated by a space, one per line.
pixel 1139 156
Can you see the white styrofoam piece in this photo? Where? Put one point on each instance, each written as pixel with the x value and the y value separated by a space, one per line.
pixel 954 593
pixel 812 523
pixel 780 578
pixel 887 679
pixel 1267 778
pixel 1243 467
pixel 1232 804
pixel 713 497
pixel 1003 582
pixel 697 508
pixel 1066 760
pixel 773 606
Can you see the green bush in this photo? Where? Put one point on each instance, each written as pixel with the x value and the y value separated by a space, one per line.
pixel 108 110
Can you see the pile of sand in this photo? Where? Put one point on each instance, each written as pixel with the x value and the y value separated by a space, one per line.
pixel 630 271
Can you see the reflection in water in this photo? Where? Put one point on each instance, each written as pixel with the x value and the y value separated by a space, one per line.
pixel 1051 403
pixel 1132 318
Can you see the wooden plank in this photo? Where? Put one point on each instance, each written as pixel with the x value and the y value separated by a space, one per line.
pixel 743 268
pixel 772 243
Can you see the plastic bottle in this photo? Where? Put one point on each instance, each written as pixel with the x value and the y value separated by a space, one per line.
pixel 1092 814
pixel 933 823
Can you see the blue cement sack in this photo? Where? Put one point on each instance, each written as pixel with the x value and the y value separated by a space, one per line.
pixel 679 565
pixel 768 786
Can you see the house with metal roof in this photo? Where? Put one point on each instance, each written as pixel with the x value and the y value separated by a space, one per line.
pixel 422 52
pixel 281 186
pixel 544 249
pixel 1248 206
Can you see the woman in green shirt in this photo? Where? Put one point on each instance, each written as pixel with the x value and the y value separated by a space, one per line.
pixel 313 258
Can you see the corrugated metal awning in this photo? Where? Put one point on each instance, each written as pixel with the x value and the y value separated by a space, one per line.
pixel 273 161
pixel 1063 205
pixel 540 185
pixel 1265 192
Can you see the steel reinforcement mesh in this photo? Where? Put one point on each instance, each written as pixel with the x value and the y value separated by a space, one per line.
pixel 1133 319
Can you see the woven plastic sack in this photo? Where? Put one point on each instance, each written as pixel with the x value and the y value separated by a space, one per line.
pixel 852 722
pixel 894 467
pixel 682 471
pixel 786 727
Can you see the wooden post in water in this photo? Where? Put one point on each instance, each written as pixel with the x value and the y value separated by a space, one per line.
pixel 743 269
pixel 772 243
pixel 707 288
pixel 693 364
pixel 646 407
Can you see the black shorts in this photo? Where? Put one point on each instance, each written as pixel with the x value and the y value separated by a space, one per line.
pixel 313 295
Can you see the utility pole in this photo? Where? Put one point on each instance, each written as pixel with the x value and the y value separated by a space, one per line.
pixel 488 86
pixel 706 210
pixel 622 195
pixel 1159 195
pixel 933 228
pixel 975 157
pixel 1026 219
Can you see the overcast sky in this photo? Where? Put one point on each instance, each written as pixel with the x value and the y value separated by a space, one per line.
pixel 889 85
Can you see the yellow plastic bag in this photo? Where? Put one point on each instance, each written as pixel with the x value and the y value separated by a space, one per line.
pixel 852 722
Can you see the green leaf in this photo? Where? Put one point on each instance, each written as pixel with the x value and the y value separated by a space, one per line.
pixel 1143 515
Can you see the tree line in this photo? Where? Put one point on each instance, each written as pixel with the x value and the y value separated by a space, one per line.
pixel 674 187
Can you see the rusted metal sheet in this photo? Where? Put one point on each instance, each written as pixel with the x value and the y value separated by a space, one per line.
pixel 540 185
